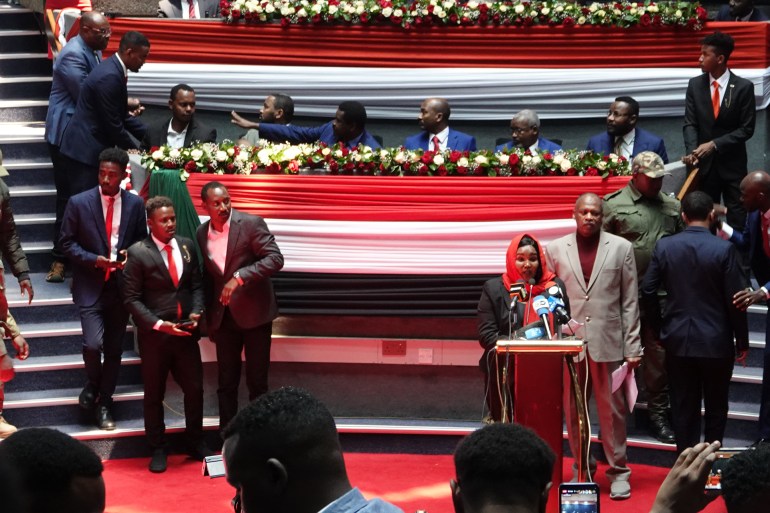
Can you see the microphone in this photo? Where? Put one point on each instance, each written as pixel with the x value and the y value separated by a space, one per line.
pixel 542 309
pixel 518 291
pixel 556 302
pixel 533 331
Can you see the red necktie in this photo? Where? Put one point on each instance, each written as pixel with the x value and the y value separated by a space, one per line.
pixel 436 144
pixel 192 9
pixel 108 224
pixel 174 275
pixel 715 99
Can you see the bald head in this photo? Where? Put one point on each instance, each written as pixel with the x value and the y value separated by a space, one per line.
pixel 755 191
pixel 434 115
pixel 94 30
pixel 588 215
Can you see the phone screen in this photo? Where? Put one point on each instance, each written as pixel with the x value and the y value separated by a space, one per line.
pixel 579 498
pixel 714 480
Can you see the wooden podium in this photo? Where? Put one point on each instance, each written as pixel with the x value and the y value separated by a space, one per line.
pixel 538 388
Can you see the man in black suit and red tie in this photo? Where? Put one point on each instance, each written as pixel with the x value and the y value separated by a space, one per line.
pixel 239 257
pixel 163 291
pixel 718 120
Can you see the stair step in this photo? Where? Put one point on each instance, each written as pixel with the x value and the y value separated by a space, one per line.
pixel 61 362
pixel 19 64
pixel 22 132
pixel 23 110
pixel 25 87
pixel 29 40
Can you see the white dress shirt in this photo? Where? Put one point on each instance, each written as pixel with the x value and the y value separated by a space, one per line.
pixel 442 139
pixel 626 144
pixel 115 235
pixel 173 138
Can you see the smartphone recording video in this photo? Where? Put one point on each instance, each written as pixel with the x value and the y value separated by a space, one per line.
pixel 714 480
pixel 579 498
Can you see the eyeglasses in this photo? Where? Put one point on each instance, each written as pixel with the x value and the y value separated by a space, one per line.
pixel 102 32
pixel 520 130
pixel 236 502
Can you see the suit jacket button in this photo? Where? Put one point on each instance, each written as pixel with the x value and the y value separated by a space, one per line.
pixel 586 298
pixel 588 319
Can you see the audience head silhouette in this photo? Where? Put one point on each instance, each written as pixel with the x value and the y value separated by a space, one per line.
pixel 746 481
pixel 505 467
pixel 55 473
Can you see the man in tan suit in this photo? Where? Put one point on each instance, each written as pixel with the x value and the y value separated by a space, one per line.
pixel 599 272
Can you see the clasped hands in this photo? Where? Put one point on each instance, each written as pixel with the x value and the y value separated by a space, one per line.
pixel 701 152
pixel 171 328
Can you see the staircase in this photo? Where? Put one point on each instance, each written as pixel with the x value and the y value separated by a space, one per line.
pixel 45 390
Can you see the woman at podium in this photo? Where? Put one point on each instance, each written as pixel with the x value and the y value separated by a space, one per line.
pixel 506 311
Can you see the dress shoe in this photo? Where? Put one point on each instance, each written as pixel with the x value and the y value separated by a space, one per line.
pixel 158 462
pixel 87 397
pixel 200 450
pixel 662 431
pixel 104 419
pixel 620 490
pixel 6 429
pixel 56 273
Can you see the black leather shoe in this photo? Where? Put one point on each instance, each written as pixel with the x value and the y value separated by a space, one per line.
pixel 199 451
pixel 87 397
pixel 158 462
pixel 104 419
pixel 662 431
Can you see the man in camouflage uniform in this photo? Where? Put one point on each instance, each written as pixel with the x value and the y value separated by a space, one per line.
pixel 642 214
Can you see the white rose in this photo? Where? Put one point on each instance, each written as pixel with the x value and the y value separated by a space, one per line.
pixel 157 155
pixel 449 4
pixel 302 13
pixel 221 156
pixel 617 12
pixel 400 157
pixel 196 154
pixel 504 159
pixel 480 159
pixel 678 14
pixel 565 165
pixel 545 11
pixel 559 8
pixel 601 13
pixel 652 8
pixel 472 5
pixel 174 154
pixel 438 159
pixel 338 153
pixel 325 152
pixel 269 8
pixel 593 8
pixel 532 14
pixel 384 155
pixel 462 162
pixel 398 13
pixel 441 14
pixel 526 159
pixel 632 11
pixel 359 9
pixel 230 151
pixel 601 165
pixel 518 9
pixel 263 156
pixel 503 8
pixel 242 156
pixel 387 12
pixel 581 20
pixel 333 9
pixel 558 159
pixel 316 8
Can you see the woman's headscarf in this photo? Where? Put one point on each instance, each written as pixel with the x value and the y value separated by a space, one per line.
pixel 511 274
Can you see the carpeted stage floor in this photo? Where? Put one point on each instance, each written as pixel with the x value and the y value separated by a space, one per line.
pixel 411 481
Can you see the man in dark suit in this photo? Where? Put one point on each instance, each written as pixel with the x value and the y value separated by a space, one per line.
pixel 182 129
pixel 436 134
pixel 348 128
pixel 102 118
pixel 740 10
pixel 98 225
pixel 277 108
pixel 755 195
pixel 73 64
pixel 719 118
pixel 525 134
pixel 239 256
pixel 163 291
pixel 701 329
pixel 622 136
pixel 188 9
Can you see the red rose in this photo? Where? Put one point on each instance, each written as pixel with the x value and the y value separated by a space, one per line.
pixel 569 21
pixel 431 9
pixel 585 11
pixel 645 20
pixel 496 19
pixel 606 158
pixel 462 170
pixel 513 159
pixel 506 22
pixel 224 12
pixel 190 167
pixel 417 21
pixel 483 18
pixel 465 20
pixel 427 157
pixel 316 18
pixel 571 171
pixel 547 156
pixel 334 167
pixel 169 165
pixel 528 21
pixel 423 170
pixel 454 156
pixel 478 171
pixel 483 8
pixel 154 149
pixel 442 170
pixel 453 18
pixel 236 14
pixel 550 172
pixel 407 26
pixel 407 166
pixel 285 22
pixel 364 17
pixel 293 166
pixel 701 13
pixel 349 167
pixel 657 21
pixel 274 167
pixel 230 168
pixel 592 171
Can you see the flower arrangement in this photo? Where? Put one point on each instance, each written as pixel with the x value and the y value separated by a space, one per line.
pixel 229 158
pixel 412 14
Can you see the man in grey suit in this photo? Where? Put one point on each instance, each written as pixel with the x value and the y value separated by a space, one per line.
pixel 239 257
pixel 599 272
pixel 71 67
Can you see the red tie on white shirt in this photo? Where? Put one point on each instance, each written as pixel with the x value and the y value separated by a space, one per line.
pixel 191 9
pixel 436 144
pixel 174 275
pixel 108 224
pixel 715 99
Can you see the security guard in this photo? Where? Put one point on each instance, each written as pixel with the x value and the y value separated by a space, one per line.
pixel 642 214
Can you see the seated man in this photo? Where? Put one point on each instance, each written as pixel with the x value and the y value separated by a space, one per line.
pixel 502 467
pixel 436 134
pixel 740 10
pixel 278 108
pixel 55 473
pixel 282 453
pixel 622 137
pixel 348 127
pixel 188 9
pixel 182 129
pixel 525 133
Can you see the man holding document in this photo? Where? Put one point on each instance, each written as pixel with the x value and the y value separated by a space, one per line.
pixel 702 331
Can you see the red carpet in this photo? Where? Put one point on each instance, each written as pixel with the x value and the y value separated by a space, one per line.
pixel 410 481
